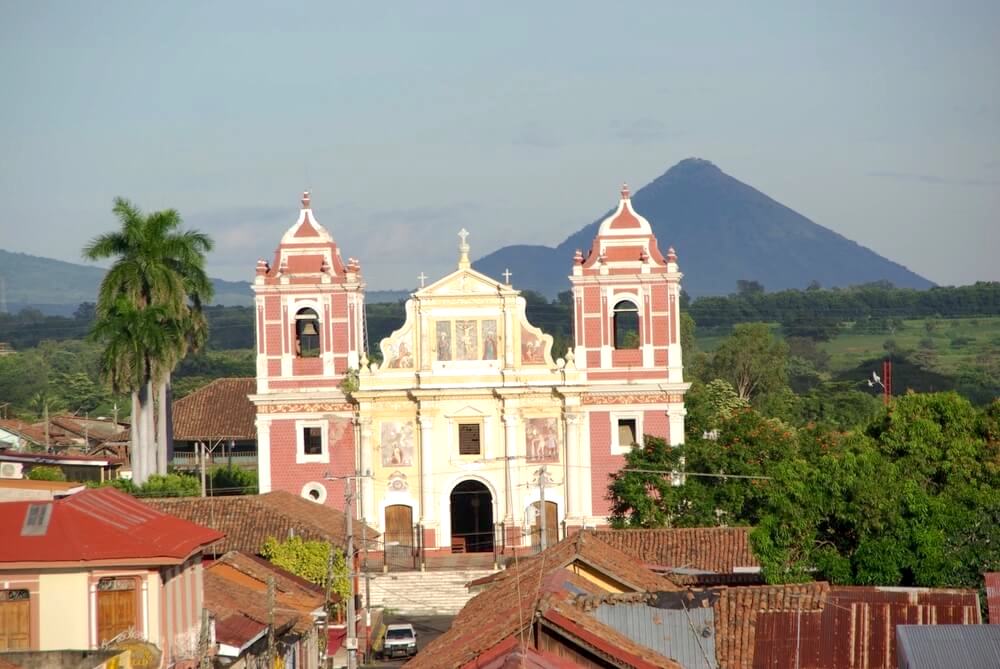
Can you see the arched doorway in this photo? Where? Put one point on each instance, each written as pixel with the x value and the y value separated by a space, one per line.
pixel 471 518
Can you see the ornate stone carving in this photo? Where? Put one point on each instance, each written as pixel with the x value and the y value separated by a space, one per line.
pixel 624 398
pixel 397 482
pixel 306 407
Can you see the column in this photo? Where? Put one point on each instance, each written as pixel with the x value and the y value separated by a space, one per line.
pixel 675 418
pixel 428 517
pixel 365 465
pixel 510 424
pixel 576 475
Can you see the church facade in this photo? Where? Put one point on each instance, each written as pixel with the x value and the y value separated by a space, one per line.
pixel 467 421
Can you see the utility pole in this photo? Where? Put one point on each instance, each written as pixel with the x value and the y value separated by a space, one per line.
pixel 352 628
pixel 325 645
pixel 201 461
pixel 270 621
pixel 541 497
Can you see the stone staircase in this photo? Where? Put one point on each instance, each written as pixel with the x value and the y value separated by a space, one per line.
pixel 424 593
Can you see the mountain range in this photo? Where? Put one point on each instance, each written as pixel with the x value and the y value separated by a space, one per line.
pixel 723 230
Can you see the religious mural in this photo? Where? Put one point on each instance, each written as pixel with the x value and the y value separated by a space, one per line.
pixel 397 444
pixel 466 340
pixel 397 353
pixel 532 348
pixel 443 340
pixel 541 438
pixel 489 340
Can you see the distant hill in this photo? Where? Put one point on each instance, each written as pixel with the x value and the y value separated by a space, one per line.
pixel 723 230
pixel 55 287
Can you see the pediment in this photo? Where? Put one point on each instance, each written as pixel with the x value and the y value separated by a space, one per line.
pixel 463 282
pixel 468 411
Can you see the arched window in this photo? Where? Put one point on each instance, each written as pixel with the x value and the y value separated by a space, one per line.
pixel 625 320
pixel 306 333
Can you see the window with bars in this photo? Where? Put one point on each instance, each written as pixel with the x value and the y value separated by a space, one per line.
pixel 468 439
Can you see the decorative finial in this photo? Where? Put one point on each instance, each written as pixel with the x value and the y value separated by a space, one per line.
pixel 305 199
pixel 463 249
pixel 324 266
pixel 671 255
pixel 506 276
pixel 422 277
pixel 625 192
pixel 643 256
pixel 578 257
pixel 262 267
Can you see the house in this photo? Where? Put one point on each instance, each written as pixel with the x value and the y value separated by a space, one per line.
pixel 247 521
pixel 596 603
pixel 16 435
pixel 525 614
pixel 236 594
pixel 691 555
pixel 946 646
pixel 21 490
pixel 73 466
pixel 221 417
pixel 468 415
pixel 95 566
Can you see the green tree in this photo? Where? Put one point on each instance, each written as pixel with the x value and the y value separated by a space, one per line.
pixel 721 478
pixel 752 360
pixel 310 560
pixel 157 267
pixel 913 500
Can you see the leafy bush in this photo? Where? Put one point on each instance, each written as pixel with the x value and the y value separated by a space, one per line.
pixel 46 473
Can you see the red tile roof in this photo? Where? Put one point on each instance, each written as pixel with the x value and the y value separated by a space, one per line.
pixel 236 594
pixel 993 596
pixel 506 608
pixel 220 410
pixel 715 549
pixel 101 525
pixel 249 520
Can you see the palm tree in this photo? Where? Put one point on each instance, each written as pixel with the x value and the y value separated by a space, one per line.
pixel 157 281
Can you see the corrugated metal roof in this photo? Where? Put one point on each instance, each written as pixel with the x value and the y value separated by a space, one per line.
pixel 947 646
pixel 993 596
pixel 686 635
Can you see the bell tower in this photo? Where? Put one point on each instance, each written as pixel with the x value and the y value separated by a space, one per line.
pixel 309 318
pixel 626 299
pixel 309 311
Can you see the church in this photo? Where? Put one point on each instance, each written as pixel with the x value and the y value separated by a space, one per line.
pixel 461 421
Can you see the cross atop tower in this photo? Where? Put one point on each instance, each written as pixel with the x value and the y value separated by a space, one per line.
pixel 423 278
pixel 463 249
pixel 506 276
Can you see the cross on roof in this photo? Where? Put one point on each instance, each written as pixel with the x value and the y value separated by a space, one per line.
pixel 506 276
pixel 423 278
pixel 464 234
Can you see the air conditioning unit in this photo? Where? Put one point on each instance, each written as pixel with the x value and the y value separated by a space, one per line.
pixel 11 470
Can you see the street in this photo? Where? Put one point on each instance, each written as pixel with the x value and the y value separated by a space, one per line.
pixel 427 628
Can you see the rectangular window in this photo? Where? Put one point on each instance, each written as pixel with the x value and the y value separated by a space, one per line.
pixel 468 439
pixel 626 432
pixel 312 440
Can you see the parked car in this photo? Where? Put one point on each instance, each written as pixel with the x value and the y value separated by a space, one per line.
pixel 400 640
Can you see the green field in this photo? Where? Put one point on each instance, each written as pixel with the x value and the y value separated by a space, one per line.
pixel 956 342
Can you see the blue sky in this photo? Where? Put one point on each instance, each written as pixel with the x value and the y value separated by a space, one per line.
pixel 515 120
